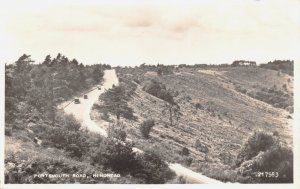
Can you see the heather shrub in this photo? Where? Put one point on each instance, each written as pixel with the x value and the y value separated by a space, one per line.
pixel 257 142
pixel 117 131
pixel 263 154
pixel 146 126
pixel 185 151
pixel 159 90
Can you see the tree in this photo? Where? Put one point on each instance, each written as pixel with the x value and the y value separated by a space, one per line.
pixel 47 61
pixel 10 99
pixel 75 62
pixel 159 90
pixel 159 71
pixel 97 74
pixel 146 127
pixel 21 81
pixel 173 111
pixel 23 63
pixel 115 102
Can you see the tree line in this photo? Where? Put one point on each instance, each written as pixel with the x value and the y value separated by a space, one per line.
pixel 36 89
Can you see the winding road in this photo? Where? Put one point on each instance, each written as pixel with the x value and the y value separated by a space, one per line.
pixel 82 113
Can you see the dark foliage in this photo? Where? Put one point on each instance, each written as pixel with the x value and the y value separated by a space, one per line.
pixel 159 90
pixel 185 151
pixel 114 154
pixel 152 169
pixel 276 97
pixel 146 127
pixel 117 131
pixel 257 142
pixel 115 102
pixel 285 66
pixel 42 86
pixel 263 153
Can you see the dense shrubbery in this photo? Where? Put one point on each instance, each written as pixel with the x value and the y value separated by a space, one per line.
pixel 256 143
pixel 40 87
pixel 65 135
pixel 221 172
pixel 114 101
pixel 264 153
pixel 114 154
pixel 286 66
pixel 163 70
pixel 21 171
pixel 152 169
pixel 146 127
pixel 117 131
pixel 129 86
pixel 119 157
pixel 159 90
pixel 273 96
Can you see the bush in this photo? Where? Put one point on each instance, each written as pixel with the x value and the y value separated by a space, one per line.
pixel 199 106
pixel 117 131
pixel 119 157
pixel 188 161
pixel 240 89
pixel 201 147
pixel 159 90
pixel 276 162
pixel 263 153
pixel 73 142
pixel 115 155
pixel 65 135
pixel 71 123
pixel 185 151
pixel 152 169
pixel 257 142
pixel 19 171
pixel 146 127
pixel 273 96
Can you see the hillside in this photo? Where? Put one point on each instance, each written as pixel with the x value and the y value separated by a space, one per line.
pixel 46 135
pixel 215 119
pixel 217 122
pixel 42 140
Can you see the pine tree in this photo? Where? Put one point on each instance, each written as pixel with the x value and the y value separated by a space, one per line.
pixel 115 102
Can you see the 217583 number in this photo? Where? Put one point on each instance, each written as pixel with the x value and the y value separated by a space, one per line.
pixel 267 174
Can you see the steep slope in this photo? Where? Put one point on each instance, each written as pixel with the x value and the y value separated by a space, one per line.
pixel 212 111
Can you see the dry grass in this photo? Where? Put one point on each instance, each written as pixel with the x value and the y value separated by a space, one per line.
pixel 224 121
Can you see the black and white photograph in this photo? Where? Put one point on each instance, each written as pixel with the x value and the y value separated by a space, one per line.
pixel 149 92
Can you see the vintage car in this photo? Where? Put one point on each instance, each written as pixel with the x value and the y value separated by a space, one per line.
pixel 77 101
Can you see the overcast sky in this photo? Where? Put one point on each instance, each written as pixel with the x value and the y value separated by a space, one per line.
pixel 166 32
